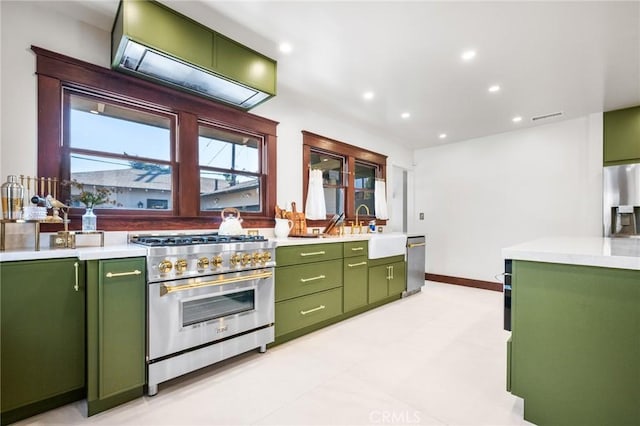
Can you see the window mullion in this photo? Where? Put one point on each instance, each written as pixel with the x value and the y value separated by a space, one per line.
pixel 187 197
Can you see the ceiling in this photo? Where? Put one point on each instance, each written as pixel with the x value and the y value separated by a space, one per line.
pixel 573 58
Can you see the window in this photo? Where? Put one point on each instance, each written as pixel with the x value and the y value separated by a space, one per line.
pixel 230 169
pixel 168 157
pixel 128 151
pixel 348 173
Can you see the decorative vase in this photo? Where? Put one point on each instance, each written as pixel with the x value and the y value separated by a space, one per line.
pixel 89 220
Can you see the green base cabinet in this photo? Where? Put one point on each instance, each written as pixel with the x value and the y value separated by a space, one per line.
pixel 115 332
pixel 622 136
pixel 387 277
pixel 574 352
pixel 43 336
pixel 356 275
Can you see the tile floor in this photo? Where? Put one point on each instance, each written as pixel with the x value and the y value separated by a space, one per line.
pixel 435 358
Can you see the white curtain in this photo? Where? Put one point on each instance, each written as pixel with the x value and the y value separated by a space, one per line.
pixel 315 209
pixel 380 196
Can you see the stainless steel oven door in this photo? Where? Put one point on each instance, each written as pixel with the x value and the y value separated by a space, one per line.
pixel 187 313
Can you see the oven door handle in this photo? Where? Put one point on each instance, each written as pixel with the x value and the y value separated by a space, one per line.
pixel 165 289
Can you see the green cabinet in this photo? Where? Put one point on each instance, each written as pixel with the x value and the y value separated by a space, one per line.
pixel 622 136
pixel 115 332
pixel 387 277
pixel 356 274
pixel 574 352
pixel 42 342
pixel 308 286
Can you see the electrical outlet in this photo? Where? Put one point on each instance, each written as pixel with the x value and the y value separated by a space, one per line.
pixel 421 216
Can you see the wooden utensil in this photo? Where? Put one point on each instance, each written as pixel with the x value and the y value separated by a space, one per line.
pixel 299 221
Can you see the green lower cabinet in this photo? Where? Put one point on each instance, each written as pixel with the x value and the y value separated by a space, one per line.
pixel 387 277
pixel 305 311
pixel 42 342
pixel 574 352
pixel 355 282
pixel 115 332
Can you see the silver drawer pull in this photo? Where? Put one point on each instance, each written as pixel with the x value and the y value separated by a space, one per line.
pixel 319 308
pixel 306 280
pixel 357 249
pixel 313 253
pixel 351 265
pixel 122 274
pixel 412 245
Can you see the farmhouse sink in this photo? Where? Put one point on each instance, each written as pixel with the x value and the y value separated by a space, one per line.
pixel 385 245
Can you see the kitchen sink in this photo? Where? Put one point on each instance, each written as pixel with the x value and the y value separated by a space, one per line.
pixel 385 245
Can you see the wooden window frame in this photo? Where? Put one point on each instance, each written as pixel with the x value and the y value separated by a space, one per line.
pixel 352 154
pixel 56 72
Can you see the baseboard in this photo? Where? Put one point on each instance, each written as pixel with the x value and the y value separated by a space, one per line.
pixel 467 282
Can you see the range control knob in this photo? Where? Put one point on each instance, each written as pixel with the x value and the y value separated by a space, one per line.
pixel 216 261
pixel 246 258
pixel 165 266
pixel 203 263
pixel 235 259
pixel 266 256
pixel 181 266
pixel 257 257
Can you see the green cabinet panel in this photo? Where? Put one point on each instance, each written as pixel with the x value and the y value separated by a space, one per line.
pixel 378 283
pixel 575 344
pixel 356 248
pixel 294 281
pixel 156 26
pixel 387 277
pixel 42 306
pixel 295 255
pixel 307 310
pixel 355 282
pixel 237 62
pixel 116 332
pixel 622 136
pixel 398 280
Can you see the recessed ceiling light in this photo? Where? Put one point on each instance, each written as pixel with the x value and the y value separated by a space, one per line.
pixel 442 135
pixel 516 119
pixel 494 88
pixel 468 55
pixel 286 47
pixel 368 95
pixel 405 115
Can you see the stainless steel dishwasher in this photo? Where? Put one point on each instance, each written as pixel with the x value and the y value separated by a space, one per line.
pixel 416 255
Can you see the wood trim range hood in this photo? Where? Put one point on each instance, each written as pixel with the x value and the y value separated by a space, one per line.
pixel 154 42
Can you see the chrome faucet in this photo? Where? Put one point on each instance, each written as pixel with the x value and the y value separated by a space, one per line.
pixel 357 221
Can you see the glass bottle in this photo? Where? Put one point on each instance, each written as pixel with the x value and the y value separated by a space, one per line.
pixel 89 220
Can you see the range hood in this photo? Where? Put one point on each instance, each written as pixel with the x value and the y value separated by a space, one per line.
pixel 151 41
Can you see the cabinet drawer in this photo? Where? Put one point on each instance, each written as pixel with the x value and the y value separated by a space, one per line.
pixel 356 248
pixel 295 255
pixel 294 281
pixel 304 311
pixel 355 282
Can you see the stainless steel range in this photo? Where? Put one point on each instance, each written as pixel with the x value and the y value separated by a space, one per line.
pixel 210 297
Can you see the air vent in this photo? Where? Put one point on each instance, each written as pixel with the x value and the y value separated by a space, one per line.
pixel 546 116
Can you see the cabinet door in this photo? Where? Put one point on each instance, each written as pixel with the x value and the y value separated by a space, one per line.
pixel 355 282
pixel 398 280
pixel 622 136
pixel 378 282
pixel 116 332
pixel 43 325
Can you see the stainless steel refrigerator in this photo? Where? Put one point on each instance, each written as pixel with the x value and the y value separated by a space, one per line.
pixel 621 201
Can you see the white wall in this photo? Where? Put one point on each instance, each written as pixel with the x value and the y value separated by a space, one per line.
pixel 484 194
pixel 26 23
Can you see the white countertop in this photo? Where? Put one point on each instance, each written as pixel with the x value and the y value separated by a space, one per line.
pixel 296 241
pixel 82 253
pixel 622 253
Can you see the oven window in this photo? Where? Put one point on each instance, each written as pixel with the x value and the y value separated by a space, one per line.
pixel 205 309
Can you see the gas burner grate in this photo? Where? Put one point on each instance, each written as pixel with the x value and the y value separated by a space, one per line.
pixel 186 240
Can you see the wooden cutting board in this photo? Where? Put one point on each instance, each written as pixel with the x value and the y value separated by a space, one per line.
pixel 299 221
